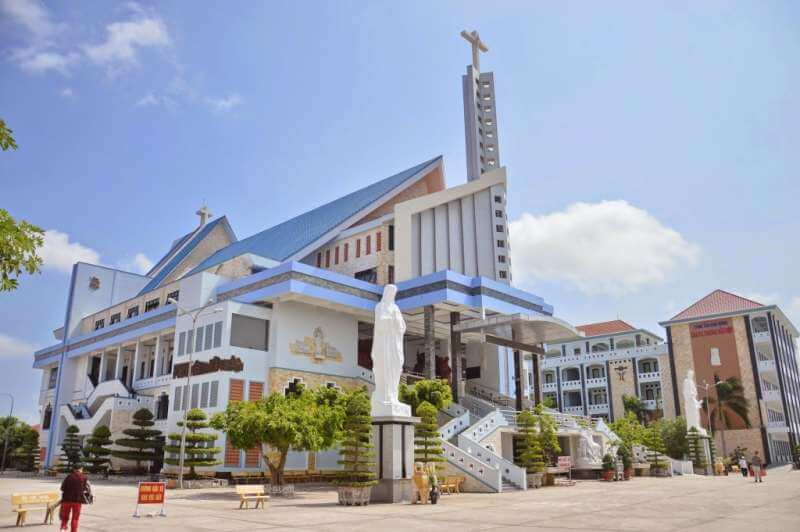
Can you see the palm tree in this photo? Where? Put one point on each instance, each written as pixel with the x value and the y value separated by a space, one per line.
pixel 730 399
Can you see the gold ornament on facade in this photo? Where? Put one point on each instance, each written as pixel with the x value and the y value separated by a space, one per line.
pixel 316 348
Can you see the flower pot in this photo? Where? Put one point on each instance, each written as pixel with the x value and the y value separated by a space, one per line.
pixel 608 475
pixel 628 473
pixel 535 480
pixel 354 496
pixel 549 480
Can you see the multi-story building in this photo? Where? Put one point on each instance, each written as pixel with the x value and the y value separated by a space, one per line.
pixel 724 335
pixel 590 374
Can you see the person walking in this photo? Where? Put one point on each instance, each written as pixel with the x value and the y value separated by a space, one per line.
pixel 743 465
pixel 756 462
pixel 73 493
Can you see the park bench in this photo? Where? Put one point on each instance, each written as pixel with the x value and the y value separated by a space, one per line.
pixel 249 493
pixel 451 484
pixel 22 503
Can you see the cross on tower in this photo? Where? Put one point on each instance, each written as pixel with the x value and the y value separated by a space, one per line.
pixel 478 46
pixel 204 214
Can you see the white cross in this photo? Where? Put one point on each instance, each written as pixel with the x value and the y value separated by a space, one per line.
pixel 204 214
pixel 478 46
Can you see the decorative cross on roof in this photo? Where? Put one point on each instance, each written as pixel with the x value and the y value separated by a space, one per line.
pixel 478 46
pixel 204 214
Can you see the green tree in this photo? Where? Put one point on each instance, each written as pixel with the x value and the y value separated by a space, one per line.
pixel 16 431
pixel 427 443
pixel 6 137
pixel 70 451
pixel 655 446
pixel 629 430
pixel 548 434
pixel 18 244
pixel 549 402
pixel 697 449
pixel 673 432
pixel 199 450
pixel 303 421
pixel 730 400
pixel 143 444
pixel 356 449
pixel 529 452
pixel 635 405
pixel 432 391
pixel 96 452
pixel 27 455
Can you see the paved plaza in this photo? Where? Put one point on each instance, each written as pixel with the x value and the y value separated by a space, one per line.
pixel 681 503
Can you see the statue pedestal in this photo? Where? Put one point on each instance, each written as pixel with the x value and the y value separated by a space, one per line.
pixel 393 437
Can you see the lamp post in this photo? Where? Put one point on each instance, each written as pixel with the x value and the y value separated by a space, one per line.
pixel 194 314
pixel 8 430
pixel 706 386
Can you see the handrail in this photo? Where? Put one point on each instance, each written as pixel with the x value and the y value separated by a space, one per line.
pixel 480 470
pixel 470 441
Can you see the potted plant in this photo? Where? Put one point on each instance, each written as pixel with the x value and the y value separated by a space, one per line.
pixel 627 463
pixel 608 467
pixel 428 446
pixel 548 439
pixel 433 482
pixel 356 479
pixel 529 448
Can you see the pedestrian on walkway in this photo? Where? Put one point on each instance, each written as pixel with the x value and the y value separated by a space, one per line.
pixel 74 491
pixel 743 465
pixel 756 462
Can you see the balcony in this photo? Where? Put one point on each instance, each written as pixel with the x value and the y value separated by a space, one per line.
pixel 771 395
pixel 549 387
pixel 571 385
pixel 761 337
pixel 766 365
pixel 577 410
pixel 599 408
pixel 597 382
pixel 652 404
pixel 777 426
pixel 650 376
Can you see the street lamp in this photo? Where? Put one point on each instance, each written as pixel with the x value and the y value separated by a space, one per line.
pixel 706 386
pixel 8 430
pixel 194 314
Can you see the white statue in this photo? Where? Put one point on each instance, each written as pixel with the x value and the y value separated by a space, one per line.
pixel 589 451
pixel 387 356
pixel 691 403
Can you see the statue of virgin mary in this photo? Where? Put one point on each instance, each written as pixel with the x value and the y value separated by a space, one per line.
pixel 387 356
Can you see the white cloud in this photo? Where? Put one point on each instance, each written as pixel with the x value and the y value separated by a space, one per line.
pixel 67 93
pixel 140 264
pixel 31 14
pixel 764 299
pixel 225 104
pixel 36 61
pixel 148 100
pixel 60 254
pixel 11 347
pixel 126 38
pixel 609 247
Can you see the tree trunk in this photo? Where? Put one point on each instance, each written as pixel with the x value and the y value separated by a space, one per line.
pixel 276 470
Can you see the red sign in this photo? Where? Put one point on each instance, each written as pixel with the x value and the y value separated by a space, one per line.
pixel 565 462
pixel 152 492
pixel 711 328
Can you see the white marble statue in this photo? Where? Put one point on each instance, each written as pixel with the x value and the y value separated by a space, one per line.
pixel 387 356
pixel 589 451
pixel 691 403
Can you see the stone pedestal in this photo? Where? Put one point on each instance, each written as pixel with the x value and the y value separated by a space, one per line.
pixel 393 437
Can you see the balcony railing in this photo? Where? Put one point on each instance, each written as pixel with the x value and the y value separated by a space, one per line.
pixel 599 408
pixel 571 385
pixel 573 410
pixel 652 404
pixel 549 387
pixel 645 350
pixel 650 376
pixel 761 337
pixel 766 365
pixel 596 382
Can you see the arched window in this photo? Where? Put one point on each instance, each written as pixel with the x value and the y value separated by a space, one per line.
pixel 48 416
pixel 624 344
pixel 162 406
pixel 599 347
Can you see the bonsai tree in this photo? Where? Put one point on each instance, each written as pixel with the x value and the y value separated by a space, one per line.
pixel 96 451
pixel 624 454
pixel 696 450
pixel 142 446
pixel 608 466
pixel 28 453
pixel 629 429
pixel 435 392
pixel 199 450
pixel 428 444
pixel 655 445
pixel 301 421
pixel 673 432
pixel 529 448
pixel 549 402
pixel 356 449
pixel 70 451
pixel 548 435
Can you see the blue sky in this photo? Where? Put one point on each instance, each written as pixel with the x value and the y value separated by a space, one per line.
pixel 651 147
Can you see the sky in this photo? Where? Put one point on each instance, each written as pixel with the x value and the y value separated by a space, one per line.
pixel 651 147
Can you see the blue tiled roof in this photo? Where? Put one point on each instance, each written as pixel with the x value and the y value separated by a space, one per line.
pixel 283 240
pixel 178 257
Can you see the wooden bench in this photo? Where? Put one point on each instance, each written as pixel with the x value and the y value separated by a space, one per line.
pixel 249 493
pixel 22 503
pixel 452 484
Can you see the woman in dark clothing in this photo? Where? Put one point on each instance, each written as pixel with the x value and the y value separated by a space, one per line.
pixel 73 489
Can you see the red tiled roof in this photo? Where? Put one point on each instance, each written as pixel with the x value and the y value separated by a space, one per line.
pixel 605 327
pixel 717 302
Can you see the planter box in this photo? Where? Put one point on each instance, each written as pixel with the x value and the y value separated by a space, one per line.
pixel 607 475
pixel 349 496
pixel 535 480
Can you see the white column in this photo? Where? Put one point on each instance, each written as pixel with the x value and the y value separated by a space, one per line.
pixel 159 358
pixel 118 368
pixel 135 364
pixel 103 361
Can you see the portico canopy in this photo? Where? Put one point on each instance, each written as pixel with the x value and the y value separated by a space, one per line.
pixel 519 331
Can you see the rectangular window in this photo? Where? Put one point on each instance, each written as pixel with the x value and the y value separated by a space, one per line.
pixel 195 395
pixel 133 312
pixel 503 274
pixel 370 276
pixel 391 274
pixel 152 368
pixel 177 404
pixel 501 243
pixel 378 241
pixel 327 258
pixel 53 378
pixel 189 341
pixel 498 213
pixel 185 395
pixel 358 247
pixel 209 336
pixel 198 340
pixel 498 228
pixel 204 395
pixel 336 255
pixel 151 305
pixel 115 318
pixel 319 259
pixel 212 396
pixel 99 324
pixel 576 351
pixel 174 295
pixel 218 334
pixel 501 259
pixel 368 245
pixel 391 238
pixel 346 250
pixel 250 333
pixel 181 343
